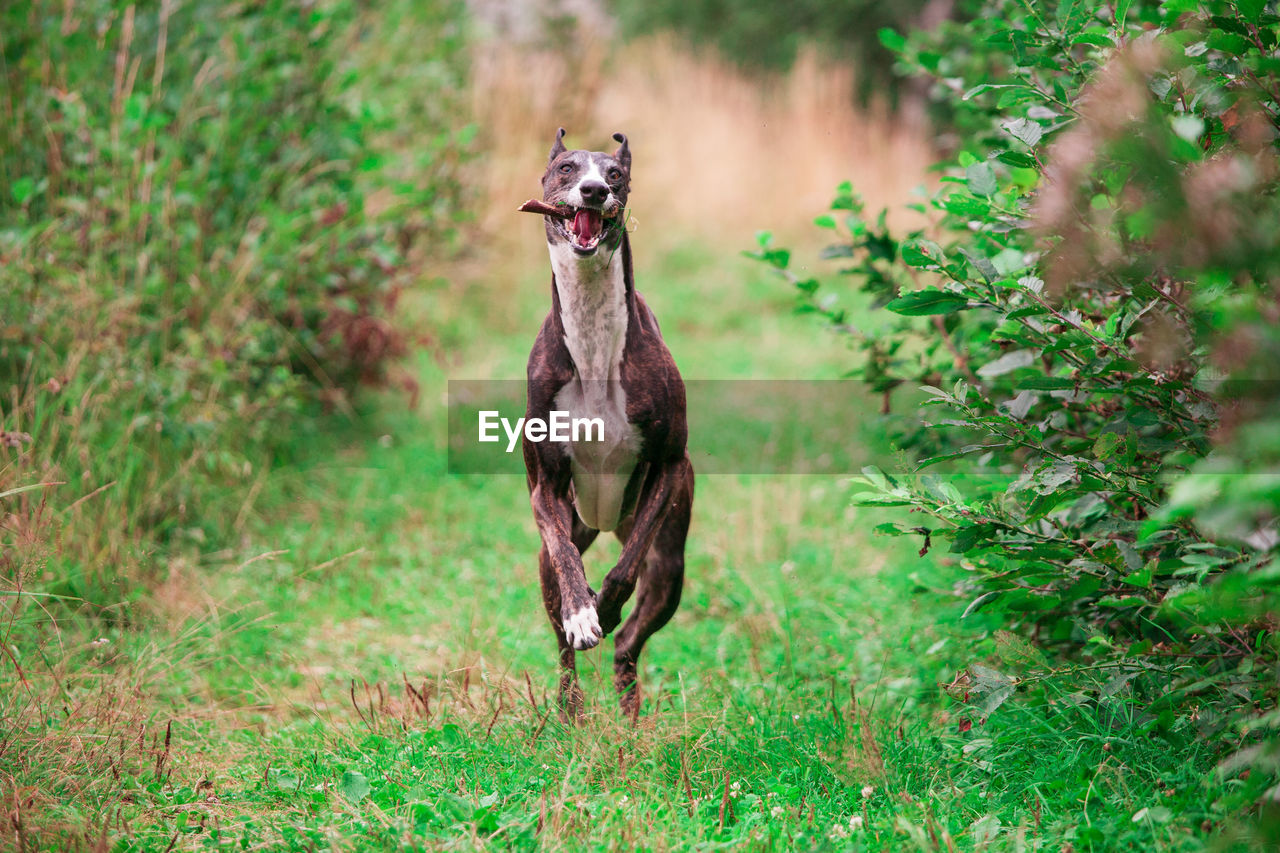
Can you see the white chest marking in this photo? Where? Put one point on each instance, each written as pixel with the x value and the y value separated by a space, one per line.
pixel 593 312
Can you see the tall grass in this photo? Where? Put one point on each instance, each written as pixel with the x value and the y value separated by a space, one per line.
pixel 716 149
pixel 190 276
pixel 188 265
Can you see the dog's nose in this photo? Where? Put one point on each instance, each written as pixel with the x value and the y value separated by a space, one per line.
pixel 594 192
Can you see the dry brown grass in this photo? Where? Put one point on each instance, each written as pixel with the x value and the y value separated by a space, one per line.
pixel 720 154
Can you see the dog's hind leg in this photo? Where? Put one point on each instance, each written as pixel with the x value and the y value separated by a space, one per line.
pixel 660 583
pixel 569 694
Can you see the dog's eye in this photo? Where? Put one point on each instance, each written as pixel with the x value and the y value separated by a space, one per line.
pixel 566 168
pixel 615 175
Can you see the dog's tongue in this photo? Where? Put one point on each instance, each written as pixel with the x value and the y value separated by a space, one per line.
pixel 587 224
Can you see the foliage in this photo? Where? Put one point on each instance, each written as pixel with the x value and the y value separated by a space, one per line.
pixel 188 263
pixel 762 35
pixel 1092 313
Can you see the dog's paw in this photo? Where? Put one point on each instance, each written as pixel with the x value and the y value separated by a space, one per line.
pixel 582 628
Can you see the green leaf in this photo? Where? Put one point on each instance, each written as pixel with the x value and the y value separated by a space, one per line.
pixel 1142 577
pixel 354 786
pixel 1010 361
pixel 922 253
pixel 1054 476
pixel 978 602
pixel 1073 15
pixel 1153 814
pixel 985 87
pixel 23 189
pixel 941 490
pixel 779 258
pixel 990 688
pixel 1122 9
pixel 877 478
pixel 1017 158
pixel 894 41
pixel 1105 447
pixel 283 780
pixel 981 179
pixel 1024 130
pixel 984 830
pixel 1251 9
pixel 967 538
pixel 928 301
pixel 983 265
pixel 877 499
pixel 825 221
pixel 1094 37
pixel 889 528
pixel 963 204
pixel 1188 127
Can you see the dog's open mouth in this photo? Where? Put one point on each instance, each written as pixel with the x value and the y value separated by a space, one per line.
pixel 585 229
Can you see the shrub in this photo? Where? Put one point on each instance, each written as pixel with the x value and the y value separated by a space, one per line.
pixel 188 265
pixel 1092 316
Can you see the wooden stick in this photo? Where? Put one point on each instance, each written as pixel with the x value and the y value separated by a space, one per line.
pixel 533 205
pixel 562 211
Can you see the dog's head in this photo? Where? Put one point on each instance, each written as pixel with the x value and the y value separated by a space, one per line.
pixel 594 186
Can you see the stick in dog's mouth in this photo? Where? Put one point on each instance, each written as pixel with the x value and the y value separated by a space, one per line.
pixel 584 224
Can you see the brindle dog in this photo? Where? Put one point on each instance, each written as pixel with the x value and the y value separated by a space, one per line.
pixel 600 355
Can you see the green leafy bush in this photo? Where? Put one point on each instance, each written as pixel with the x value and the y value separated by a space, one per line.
pixel 188 264
pixel 1092 315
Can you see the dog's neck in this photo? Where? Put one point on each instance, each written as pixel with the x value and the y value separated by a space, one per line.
pixel 591 293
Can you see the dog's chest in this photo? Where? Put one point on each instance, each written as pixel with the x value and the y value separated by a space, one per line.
pixel 594 315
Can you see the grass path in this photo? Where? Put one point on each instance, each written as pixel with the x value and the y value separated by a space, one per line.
pixel 376 671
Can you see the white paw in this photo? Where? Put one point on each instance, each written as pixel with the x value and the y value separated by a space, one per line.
pixel 583 629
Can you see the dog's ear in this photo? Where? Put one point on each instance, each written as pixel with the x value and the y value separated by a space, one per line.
pixel 623 154
pixel 557 148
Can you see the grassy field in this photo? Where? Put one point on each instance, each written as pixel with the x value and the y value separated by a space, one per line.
pixel 370 667
pixel 373 670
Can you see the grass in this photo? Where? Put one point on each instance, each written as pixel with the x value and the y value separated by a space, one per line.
pixel 370 668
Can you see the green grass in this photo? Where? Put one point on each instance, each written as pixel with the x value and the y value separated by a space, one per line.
pixel 792 703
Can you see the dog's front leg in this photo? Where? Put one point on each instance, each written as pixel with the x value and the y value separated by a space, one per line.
pixel 553 512
pixel 655 500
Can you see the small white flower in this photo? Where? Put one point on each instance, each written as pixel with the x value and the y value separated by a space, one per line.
pixel 838 831
pixel 795 717
pixel 101 641
pixel 777 811
pixel 622 801
pixel 855 823
pixel 867 791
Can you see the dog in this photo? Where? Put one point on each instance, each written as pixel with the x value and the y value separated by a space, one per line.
pixel 600 354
